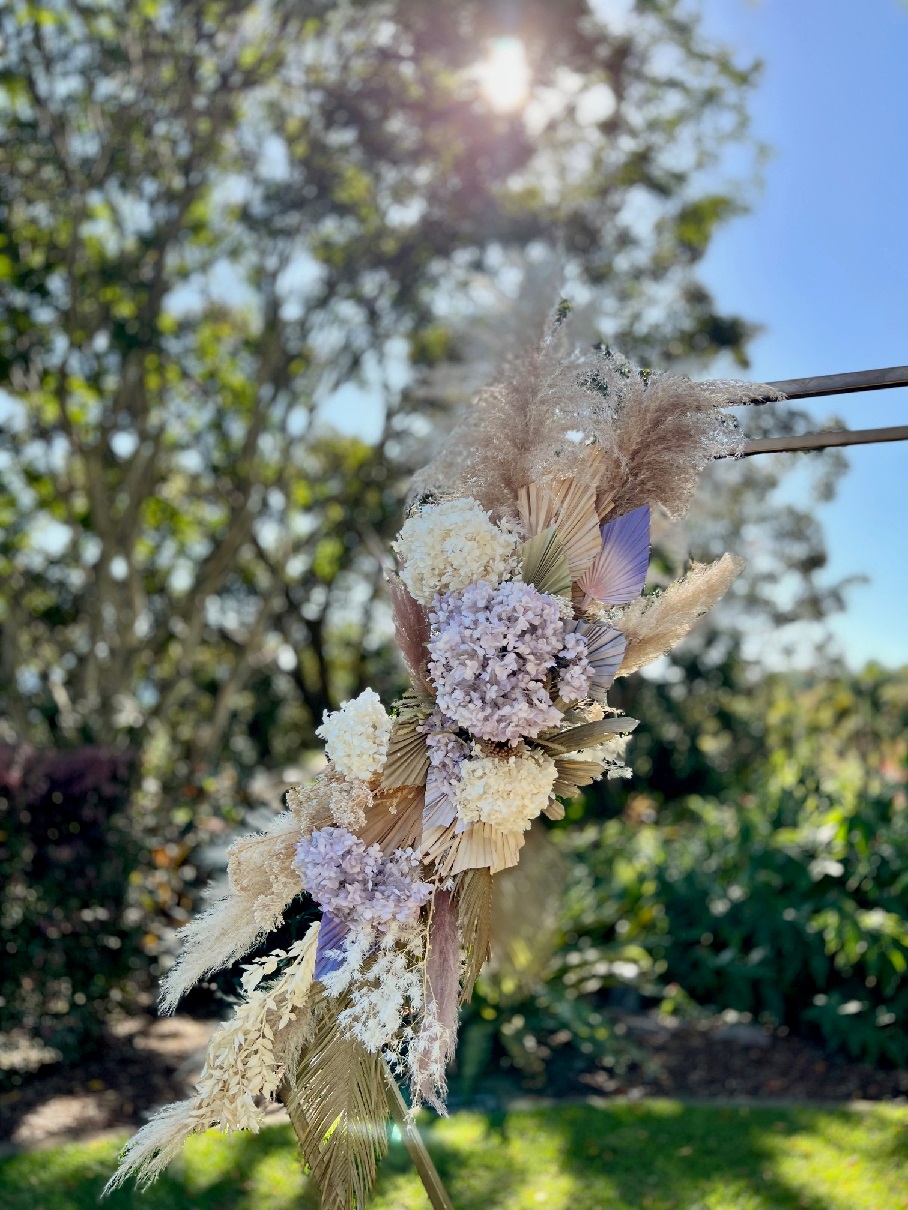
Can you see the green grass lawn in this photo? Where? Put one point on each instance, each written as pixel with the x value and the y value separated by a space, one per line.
pixel 658 1155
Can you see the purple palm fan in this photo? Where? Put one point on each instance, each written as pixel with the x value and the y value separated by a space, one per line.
pixel 330 939
pixel 605 649
pixel 618 572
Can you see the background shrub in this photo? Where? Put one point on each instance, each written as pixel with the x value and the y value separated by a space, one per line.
pixel 785 896
pixel 71 941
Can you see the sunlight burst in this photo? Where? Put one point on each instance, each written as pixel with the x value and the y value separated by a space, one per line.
pixel 505 75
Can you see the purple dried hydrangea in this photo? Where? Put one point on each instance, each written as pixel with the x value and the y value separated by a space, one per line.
pixel 490 658
pixel 353 882
pixel 575 671
pixel 446 752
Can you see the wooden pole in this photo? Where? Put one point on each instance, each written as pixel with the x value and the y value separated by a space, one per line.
pixel 830 384
pixel 822 441
pixel 837 384
pixel 422 1161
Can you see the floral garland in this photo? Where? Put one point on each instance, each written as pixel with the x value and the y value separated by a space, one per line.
pixel 517 601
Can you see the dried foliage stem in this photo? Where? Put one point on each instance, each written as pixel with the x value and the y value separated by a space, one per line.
pixel 418 1152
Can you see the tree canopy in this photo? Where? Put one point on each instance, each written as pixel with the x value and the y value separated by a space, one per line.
pixel 214 214
pixel 217 214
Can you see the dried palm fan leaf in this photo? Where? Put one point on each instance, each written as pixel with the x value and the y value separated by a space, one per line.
pixel 479 846
pixel 587 735
pixel 408 759
pixel 571 508
pixel 395 821
pixel 653 625
pixel 526 909
pixel 605 648
pixel 618 572
pixel 439 809
pixel 474 918
pixel 544 563
pixel 573 775
pixel 336 1101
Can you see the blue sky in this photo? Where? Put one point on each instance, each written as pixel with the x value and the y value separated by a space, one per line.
pixel 822 261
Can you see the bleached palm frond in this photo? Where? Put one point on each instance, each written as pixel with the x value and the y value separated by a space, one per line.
pixel 336 1101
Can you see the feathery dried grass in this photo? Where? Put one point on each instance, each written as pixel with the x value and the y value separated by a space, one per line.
pixel 152 1148
pixel 654 433
pixel 434 1046
pixel 653 625
pixel 262 882
pixel 246 1060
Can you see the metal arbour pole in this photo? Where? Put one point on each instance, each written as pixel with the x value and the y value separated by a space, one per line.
pixel 831 384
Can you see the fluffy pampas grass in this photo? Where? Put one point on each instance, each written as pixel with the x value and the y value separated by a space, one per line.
pixel 653 433
pixel 261 882
pixel 247 1059
pixel 653 625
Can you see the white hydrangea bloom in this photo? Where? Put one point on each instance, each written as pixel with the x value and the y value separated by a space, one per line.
pixel 450 545
pixel 356 736
pixel 508 794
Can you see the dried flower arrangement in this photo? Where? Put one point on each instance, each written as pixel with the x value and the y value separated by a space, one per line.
pixel 517 602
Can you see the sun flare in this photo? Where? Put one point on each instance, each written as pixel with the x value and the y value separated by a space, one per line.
pixel 504 75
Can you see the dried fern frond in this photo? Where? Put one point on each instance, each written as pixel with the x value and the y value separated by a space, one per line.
pixel 336 1102
pixel 653 625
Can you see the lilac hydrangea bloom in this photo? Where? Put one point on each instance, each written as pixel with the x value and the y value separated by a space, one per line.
pixel 446 752
pixel 490 658
pixel 353 882
pixel 576 674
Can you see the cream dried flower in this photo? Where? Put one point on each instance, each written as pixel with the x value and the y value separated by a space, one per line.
pixel 506 793
pixel 356 736
pixel 451 545
pixel 246 1060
